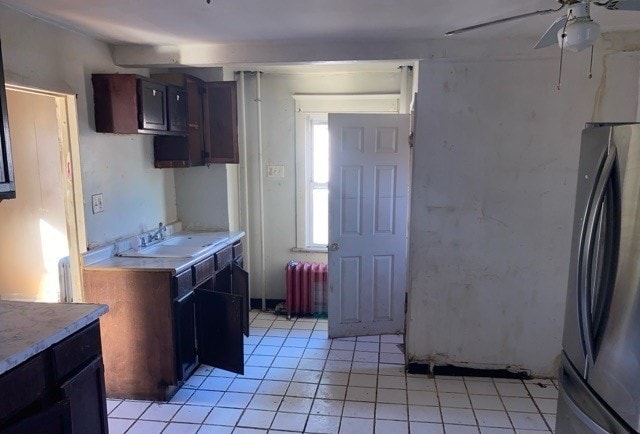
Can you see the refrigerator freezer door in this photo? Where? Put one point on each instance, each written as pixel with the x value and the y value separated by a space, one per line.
pixel 579 409
pixel 593 154
pixel 615 374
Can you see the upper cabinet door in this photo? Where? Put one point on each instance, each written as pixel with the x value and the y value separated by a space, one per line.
pixel 219 330
pixel 221 126
pixel 177 108
pixel 7 181
pixel 240 284
pixel 152 113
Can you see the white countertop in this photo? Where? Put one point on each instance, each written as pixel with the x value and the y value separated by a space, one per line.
pixel 27 328
pixel 175 265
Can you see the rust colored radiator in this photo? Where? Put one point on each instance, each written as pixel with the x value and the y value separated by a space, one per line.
pixel 307 288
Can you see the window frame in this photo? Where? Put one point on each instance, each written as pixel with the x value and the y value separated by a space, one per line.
pixel 316 106
pixel 312 119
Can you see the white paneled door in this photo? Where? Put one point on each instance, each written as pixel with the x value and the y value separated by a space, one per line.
pixel 368 202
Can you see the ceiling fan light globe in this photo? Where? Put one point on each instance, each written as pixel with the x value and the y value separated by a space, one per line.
pixel 579 35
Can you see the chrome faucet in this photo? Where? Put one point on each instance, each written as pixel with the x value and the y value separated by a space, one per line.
pixel 159 234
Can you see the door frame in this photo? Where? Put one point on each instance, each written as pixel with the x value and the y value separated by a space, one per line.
pixel 69 146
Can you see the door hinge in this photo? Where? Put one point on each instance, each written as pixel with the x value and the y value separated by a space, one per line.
pixel 411 136
pixel 406 302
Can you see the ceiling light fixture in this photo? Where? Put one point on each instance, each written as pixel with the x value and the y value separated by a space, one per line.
pixel 579 34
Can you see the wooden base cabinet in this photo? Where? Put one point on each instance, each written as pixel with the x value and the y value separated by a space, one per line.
pixel 160 326
pixel 59 391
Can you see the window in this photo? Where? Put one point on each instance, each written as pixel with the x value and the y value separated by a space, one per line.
pixel 318 180
pixel 312 158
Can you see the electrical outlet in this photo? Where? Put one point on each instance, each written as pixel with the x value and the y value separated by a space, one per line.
pixel 275 171
pixel 96 203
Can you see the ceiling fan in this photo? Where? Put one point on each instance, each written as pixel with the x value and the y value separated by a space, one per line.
pixel 574 31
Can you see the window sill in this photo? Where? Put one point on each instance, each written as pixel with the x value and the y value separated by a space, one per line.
pixel 310 250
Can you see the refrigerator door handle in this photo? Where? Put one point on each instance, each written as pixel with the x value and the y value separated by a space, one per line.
pixel 586 290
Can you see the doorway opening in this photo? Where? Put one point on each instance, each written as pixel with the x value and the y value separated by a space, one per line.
pixel 43 229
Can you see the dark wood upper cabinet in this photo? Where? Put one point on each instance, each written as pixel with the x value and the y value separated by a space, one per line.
pixel 7 180
pixel 221 130
pixel 212 118
pixel 152 106
pixel 131 104
pixel 177 108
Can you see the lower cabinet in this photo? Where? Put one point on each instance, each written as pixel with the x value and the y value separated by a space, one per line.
pixel 160 326
pixel 85 390
pixel 61 390
pixel 211 319
pixel 54 419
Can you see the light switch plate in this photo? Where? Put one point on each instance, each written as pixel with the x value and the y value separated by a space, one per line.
pixel 97 205
pixel 275 171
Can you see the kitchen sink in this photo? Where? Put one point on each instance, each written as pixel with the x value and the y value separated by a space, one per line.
pixel 179 246
pixel 194 240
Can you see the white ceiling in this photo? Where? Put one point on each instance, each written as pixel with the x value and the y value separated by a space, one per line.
pixel 178 22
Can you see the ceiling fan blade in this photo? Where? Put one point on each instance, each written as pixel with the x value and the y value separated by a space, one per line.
pixel 622 5
pixel 551 35
pixel 503 20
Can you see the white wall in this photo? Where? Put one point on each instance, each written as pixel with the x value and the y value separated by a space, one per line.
pixel 136 196
pixel 494 178
pixel 279 149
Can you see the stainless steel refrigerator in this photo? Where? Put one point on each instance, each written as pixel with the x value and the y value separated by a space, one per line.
pixel 600 371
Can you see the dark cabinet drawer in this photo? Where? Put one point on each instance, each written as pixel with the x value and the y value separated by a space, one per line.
pixel 203 271
pixel 224 258
pixel 76 351
pixel 183 283
pixel 237 250
pixel 22 386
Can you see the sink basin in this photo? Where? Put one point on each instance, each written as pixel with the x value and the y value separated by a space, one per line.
pixel 180 246
pixel 195 240
pixel 162 251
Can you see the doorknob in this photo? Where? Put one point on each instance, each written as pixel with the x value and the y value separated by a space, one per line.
pixel 334 247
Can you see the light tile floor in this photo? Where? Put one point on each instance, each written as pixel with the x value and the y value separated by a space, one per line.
pixel 297 380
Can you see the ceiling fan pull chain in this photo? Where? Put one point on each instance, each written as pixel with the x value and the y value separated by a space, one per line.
pixel 591 64
pixel 564 36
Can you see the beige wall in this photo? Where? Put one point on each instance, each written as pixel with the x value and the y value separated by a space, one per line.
pixel 33 233
pixel 136 195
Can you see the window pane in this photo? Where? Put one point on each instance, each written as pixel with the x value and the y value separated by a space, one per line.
pixel 320 153
pixel 320 211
